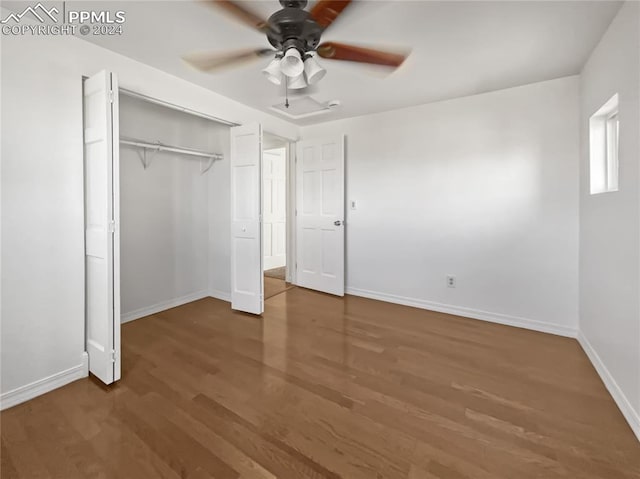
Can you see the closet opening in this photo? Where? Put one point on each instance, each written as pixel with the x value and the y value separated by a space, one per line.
pixel 277 259
pixel 168 204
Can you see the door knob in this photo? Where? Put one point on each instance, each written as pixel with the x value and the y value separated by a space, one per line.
pixel 337 223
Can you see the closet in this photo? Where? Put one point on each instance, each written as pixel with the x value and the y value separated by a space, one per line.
pixel 174 212
pixel 168 162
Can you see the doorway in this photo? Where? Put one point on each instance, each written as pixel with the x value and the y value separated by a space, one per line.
pixel 275 221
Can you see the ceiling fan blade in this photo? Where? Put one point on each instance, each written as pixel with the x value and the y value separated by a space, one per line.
pixel 340 51
pixel 325 12
pixel 211 61
pixel 239 12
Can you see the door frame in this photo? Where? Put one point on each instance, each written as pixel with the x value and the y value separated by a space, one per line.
pixel 292 238
pixel 290 149
pixel 291 250
pixel 120 89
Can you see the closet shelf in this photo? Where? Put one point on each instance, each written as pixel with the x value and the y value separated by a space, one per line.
pixel 157 146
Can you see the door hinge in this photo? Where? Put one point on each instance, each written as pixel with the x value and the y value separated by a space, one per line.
pixel 113 355
pixel 111 227
pixel 110 96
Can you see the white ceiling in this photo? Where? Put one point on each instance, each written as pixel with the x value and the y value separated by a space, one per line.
pixel 458 48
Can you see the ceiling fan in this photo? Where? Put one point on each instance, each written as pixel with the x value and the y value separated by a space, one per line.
pixel 295 34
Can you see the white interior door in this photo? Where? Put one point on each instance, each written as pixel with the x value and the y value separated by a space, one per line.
pixel 246 211
pixel 274 171
pixel 102 252
pixel 320 215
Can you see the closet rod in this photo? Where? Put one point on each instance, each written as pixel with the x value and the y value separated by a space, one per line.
pixel 162 147
pixel 173 106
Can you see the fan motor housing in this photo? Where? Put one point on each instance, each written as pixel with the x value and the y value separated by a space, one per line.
pixel 293 3
pixel 293 26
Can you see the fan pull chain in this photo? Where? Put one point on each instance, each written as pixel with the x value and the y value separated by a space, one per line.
pixel 286 91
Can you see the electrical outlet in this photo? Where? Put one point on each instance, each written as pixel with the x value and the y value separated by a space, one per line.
pixel 451 281
pixel 352 204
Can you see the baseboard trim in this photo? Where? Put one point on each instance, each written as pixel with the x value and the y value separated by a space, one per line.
pixel 85 364
pixel 221 295
pixel 632 417
pixel 518 322
pixel 42 386
pixel 158 307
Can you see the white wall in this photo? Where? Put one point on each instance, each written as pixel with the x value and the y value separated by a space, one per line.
pixel 610 222
pixel 484 188
pixel 165 208
pixel 42 308
pixel 220 226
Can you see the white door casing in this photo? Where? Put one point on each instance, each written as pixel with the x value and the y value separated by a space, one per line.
pixel 246 211
pixel 320 226
pixel 274 170
pixel 102 252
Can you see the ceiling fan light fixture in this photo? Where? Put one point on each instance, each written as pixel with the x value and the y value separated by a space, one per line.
pixel 313 70
pixel 297 82
pixel 272 71
pixel 291 64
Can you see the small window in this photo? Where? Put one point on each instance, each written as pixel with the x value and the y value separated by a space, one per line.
pixel 603 148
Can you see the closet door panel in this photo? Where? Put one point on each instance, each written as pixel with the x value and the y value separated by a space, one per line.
pixel 246 228
pixel 102 260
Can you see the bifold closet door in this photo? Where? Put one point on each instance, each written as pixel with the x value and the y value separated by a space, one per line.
pixel 247 280
pixel 102 250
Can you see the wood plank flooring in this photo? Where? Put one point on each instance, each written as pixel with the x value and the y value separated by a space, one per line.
pixel 273 286
pixel 324 387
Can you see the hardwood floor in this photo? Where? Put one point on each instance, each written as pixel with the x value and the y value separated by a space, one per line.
pixel 273 286
pixel 324 387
